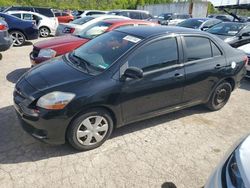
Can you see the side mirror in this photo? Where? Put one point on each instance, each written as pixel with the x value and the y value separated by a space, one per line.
pixel 245 34
pixel 204 28
pixel 133 72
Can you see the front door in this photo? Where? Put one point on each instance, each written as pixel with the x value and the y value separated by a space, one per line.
pixel 162 82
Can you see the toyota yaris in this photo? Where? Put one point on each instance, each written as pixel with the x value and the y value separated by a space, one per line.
pixel 124 76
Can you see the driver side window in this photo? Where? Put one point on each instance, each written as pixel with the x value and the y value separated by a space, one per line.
pixel 157 55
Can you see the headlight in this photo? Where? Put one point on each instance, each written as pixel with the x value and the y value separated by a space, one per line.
pixel 48 53
pixel 55 100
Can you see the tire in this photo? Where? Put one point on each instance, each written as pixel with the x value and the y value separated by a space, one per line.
pixel 18 38
pixel 44 32
pixel 220 96
pixel 84 133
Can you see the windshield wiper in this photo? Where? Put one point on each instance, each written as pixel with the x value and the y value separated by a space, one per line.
pixel 81 61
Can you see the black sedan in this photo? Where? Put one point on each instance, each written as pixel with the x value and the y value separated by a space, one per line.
pixel 234 33
pixel 124 76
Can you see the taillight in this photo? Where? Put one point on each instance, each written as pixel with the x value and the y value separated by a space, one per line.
pixel 3 27
pixel 68 30
pixel 245 60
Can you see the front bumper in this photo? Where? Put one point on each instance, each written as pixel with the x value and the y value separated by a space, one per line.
pixel 46 125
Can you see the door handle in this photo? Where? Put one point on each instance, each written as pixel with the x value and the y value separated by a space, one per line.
pixel 178 76
pixel 218 66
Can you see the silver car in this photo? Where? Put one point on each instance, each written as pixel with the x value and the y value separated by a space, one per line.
pixel 5 40
pixel 234 169
pixel 78 25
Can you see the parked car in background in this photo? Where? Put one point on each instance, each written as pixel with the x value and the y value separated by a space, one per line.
pixel 45 25
pixel 41 10
pixel 171 18
pixel 234 169
pixel 48 49
pixel 76 13
pixel 91 13
pixel 246 48
pixel 5 40
pixel 78 25
pixel 124 76
pixel 64 17
pixel 20 30
pixel 234 33
pixel 199 23
pixel 133 14
pixel 222 17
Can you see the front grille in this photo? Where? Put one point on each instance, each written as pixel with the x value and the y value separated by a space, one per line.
pixel 35 52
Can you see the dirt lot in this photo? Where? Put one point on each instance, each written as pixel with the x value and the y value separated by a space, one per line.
pixel 181 147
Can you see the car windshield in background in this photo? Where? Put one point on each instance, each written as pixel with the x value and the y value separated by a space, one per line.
pixel 94 30
pixel 192 23
pixel 228 29
pixel 102 51
pixel 82 21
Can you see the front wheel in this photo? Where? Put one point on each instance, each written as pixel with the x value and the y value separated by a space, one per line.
pixel 220 96
pixel 90 130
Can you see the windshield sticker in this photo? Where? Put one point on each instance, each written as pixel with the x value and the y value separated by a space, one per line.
pixel 103 66
pixel 232 32
pixel 131 39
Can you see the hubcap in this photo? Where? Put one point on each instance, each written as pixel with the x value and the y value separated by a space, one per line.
pixel 17 38
pixel 221 95
pixel 92 130
pixel 44 32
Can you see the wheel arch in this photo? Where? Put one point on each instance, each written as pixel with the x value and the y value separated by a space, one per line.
pixel 99 107
pixel 14 29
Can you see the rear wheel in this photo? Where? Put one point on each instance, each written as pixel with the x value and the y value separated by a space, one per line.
pixel 90 130
pixel 18 38
pixel 220 96
pixel 44 32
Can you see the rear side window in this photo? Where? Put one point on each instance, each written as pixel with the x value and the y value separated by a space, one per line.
pixel 45 11
pixel 135 15
pixel 57 14
pixel 197 48
pixel 216 51
pixel 17 15
pixel 145 16
pixel 156 55
pixel 65 14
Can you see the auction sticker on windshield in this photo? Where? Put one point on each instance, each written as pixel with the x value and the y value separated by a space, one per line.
pixel 131 39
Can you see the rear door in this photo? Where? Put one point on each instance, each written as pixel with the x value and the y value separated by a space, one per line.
pixel 162 84
pixel 204 63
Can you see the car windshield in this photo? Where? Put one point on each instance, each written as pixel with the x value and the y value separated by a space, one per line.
pixel 102 51
pixel 94 30
pixel 191 23
pixel 82 21
pixel 228 29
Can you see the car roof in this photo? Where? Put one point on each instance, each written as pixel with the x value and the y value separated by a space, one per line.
pixel 128 10
pixel 23 12
pixel 146 32
pixel 124 21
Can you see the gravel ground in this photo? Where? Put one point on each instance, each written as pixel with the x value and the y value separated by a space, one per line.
pixel 181 147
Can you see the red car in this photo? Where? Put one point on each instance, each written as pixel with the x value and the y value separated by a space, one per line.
pixel 48 49
pixel 64 17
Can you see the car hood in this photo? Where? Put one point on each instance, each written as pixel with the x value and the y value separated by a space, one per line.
pixel 61 41
pixel 53 74
pixel 243 160
pixel 245 48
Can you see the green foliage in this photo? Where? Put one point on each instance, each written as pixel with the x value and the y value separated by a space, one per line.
pixel 84 4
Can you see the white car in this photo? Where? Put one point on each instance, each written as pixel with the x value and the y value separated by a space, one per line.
pixel 92 12
pixel 246 49
pixel 47 26
pixel 78 25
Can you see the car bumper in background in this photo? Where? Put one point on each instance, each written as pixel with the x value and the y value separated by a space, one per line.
pixel 5 42
pixel 32 34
